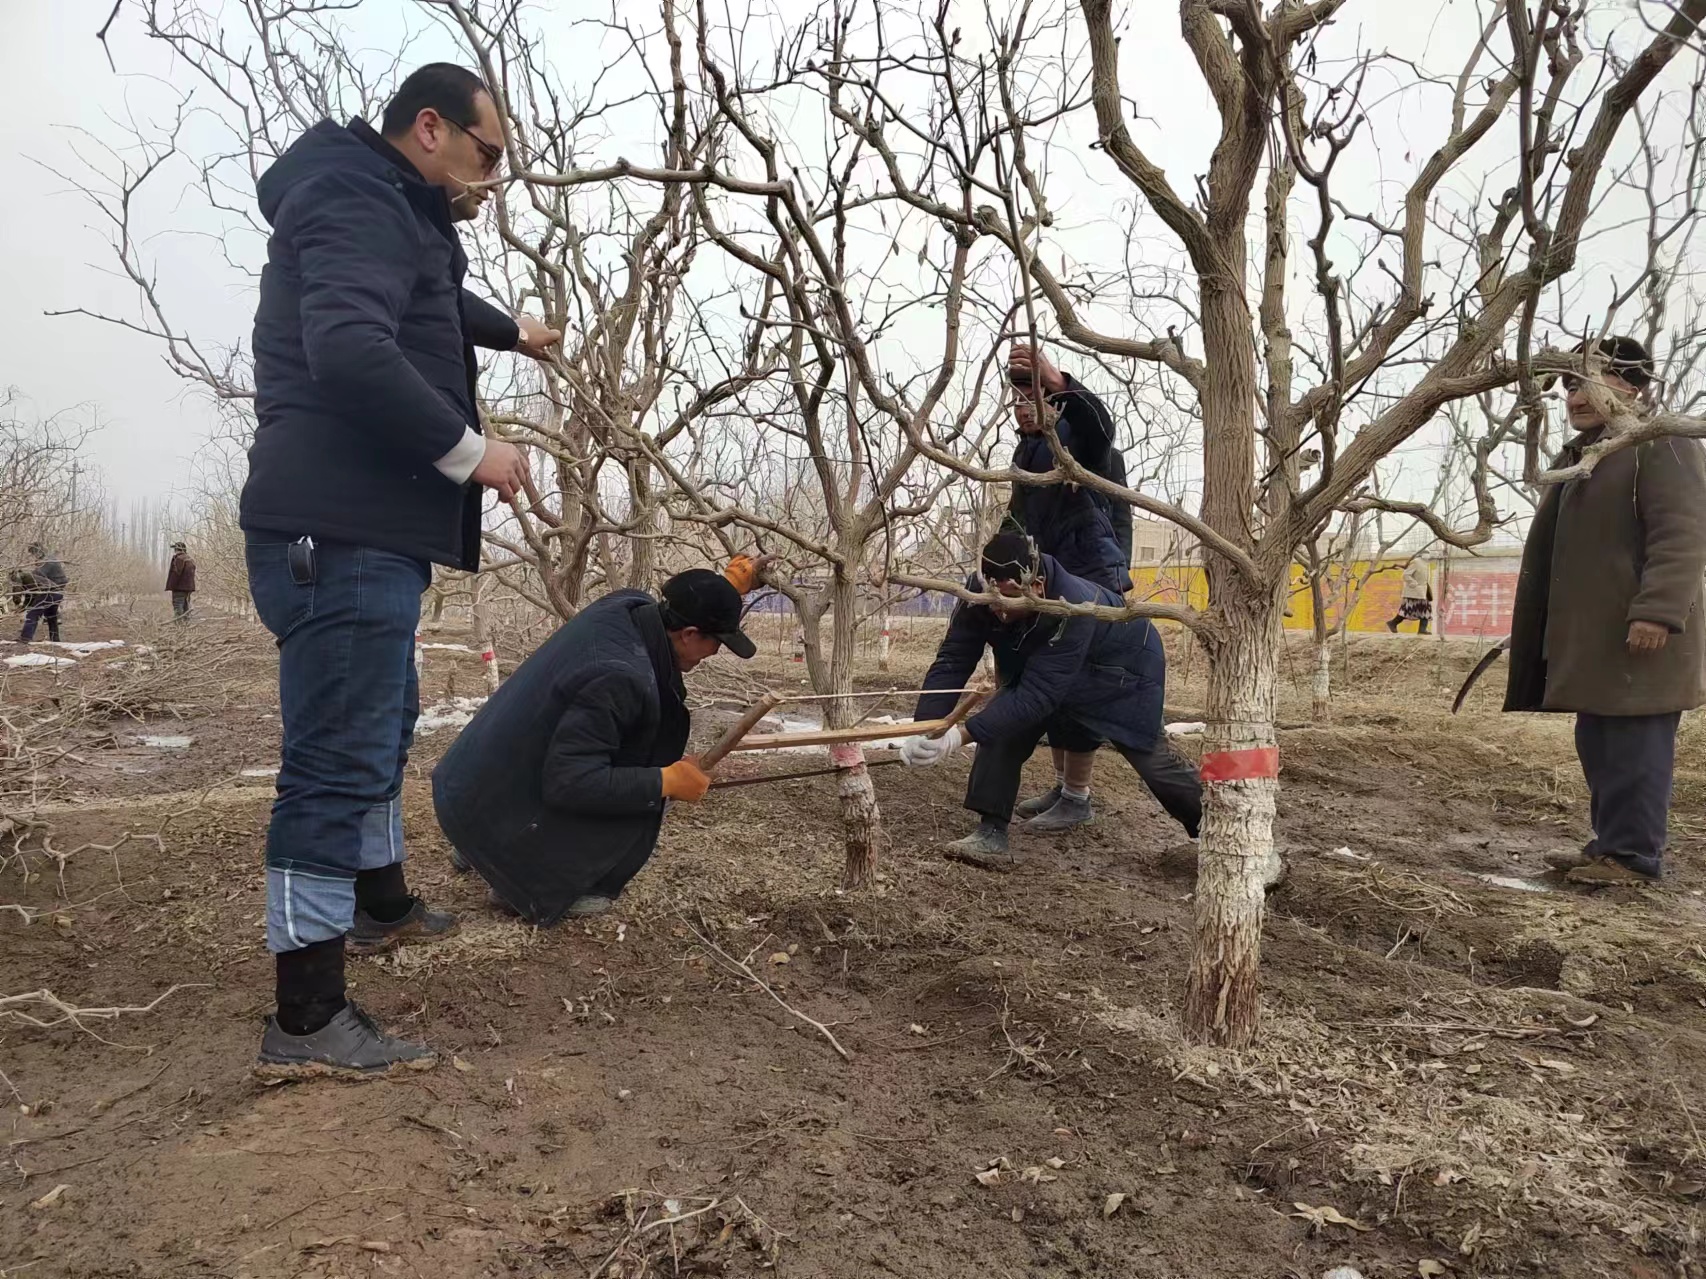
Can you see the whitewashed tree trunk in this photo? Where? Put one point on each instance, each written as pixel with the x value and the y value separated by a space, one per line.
pixel 861 819
pixel 483 643
pixel 1322 691
pixel 1237 859
pixel 883 642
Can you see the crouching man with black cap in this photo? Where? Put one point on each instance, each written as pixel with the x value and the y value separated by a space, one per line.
pixel 1091 680
pixel 555 791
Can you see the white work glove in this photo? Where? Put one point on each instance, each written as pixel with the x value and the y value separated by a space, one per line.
pixel 921 752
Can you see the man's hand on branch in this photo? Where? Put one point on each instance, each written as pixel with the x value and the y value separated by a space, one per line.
pixel 504 468
pixel 922 752
pixel 1026 363
pixel 1647 637
pixel 537 338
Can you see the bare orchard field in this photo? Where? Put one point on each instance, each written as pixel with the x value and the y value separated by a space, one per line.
pixel 1466 1069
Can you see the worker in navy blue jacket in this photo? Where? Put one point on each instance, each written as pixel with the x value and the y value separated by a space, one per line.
pixel 1100 681
pixel 367 467
pixel 1087 533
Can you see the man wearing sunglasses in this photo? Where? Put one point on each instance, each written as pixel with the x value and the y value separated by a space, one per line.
pixel 368 466
pixel 1608 620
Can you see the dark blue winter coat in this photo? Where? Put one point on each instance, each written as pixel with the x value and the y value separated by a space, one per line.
pixel 364 367
pixel 1080 528
pixel 554 789
pixel 1108 678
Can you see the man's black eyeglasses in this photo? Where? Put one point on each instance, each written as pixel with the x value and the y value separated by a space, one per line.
pixel 493 156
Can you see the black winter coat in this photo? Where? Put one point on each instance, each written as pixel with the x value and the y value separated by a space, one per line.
pixel 554 789
pixel 1107 677
pixel 364 363
pixel 1085 531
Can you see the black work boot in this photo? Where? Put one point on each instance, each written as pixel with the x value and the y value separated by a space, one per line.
pixel 350 1046
pixel 1041 804
pixel 371 936
pixel 1069 812
pixel 591 904
pixel 985 848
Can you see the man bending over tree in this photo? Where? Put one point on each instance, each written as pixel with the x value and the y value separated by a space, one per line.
pixel 1094 681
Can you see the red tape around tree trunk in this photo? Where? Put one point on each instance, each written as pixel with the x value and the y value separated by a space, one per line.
pixel 1240 766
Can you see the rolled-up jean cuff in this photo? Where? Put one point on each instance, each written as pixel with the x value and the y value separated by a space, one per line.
pixel 304 908
pixel 382 834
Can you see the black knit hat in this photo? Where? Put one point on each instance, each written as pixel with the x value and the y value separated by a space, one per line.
pixel 709 602
pixel 1010 557
pixel 1625 357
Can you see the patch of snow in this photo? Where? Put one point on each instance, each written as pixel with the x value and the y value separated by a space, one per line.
pixel 449 648
pixel 40 659
pixel 452 714
pixel 166 743
pixel 1511 881
pixel 1346 855
pixel 261 772
pixel 1187 728
pixel 84 647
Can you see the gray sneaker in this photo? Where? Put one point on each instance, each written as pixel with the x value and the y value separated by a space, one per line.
pixel 1066 814
pixel 369 936
pixel 350 1046
pixel 591 904
pixel 1040 805
pixel 985 848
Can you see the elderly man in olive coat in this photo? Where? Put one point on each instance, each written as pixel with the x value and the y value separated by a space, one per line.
pixel 1608 622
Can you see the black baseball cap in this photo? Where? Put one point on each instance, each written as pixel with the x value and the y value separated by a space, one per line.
pixel 1011 556
pixel 709 601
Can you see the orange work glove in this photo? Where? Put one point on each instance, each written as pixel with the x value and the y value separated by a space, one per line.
pixel 686 781
pixel 742 573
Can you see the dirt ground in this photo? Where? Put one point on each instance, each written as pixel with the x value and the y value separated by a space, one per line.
pixel 1466 1068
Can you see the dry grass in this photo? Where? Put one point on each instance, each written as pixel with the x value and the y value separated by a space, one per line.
pixel 478 942
pixel 1475 1090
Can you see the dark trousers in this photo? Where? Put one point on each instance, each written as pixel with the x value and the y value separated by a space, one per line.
pixel 1629 761
pixel 180 605
pixel 41 608
pixel 349 697
pixel 995 774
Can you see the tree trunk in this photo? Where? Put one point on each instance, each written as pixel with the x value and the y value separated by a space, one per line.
pixel 861 820
pixel 483 643
pixel 1237 858
pixel 883 643
pixel 1321 709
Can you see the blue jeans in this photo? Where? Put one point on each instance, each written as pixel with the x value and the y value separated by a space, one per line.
pixel 349 697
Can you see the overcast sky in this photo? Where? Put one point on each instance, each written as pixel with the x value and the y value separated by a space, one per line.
pixel 55 81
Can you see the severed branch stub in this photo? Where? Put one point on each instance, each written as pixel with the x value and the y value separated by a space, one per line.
pixel 739 729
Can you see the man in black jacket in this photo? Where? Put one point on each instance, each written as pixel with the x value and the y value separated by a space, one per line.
pixel 367 466
pixel 556 789
pixel 47 581
pixel 1086 532
pixel 1095 681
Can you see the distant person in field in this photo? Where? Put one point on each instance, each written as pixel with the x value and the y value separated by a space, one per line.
pixel 180 580
pixel 1088 680
pixel 1085 532
pixel 44 582
pixel 367 467
pixel 1608 621
pixel 556 790
pixel 1416 598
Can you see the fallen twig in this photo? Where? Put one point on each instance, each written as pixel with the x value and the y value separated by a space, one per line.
pixel 737 966
pixel 10 1005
